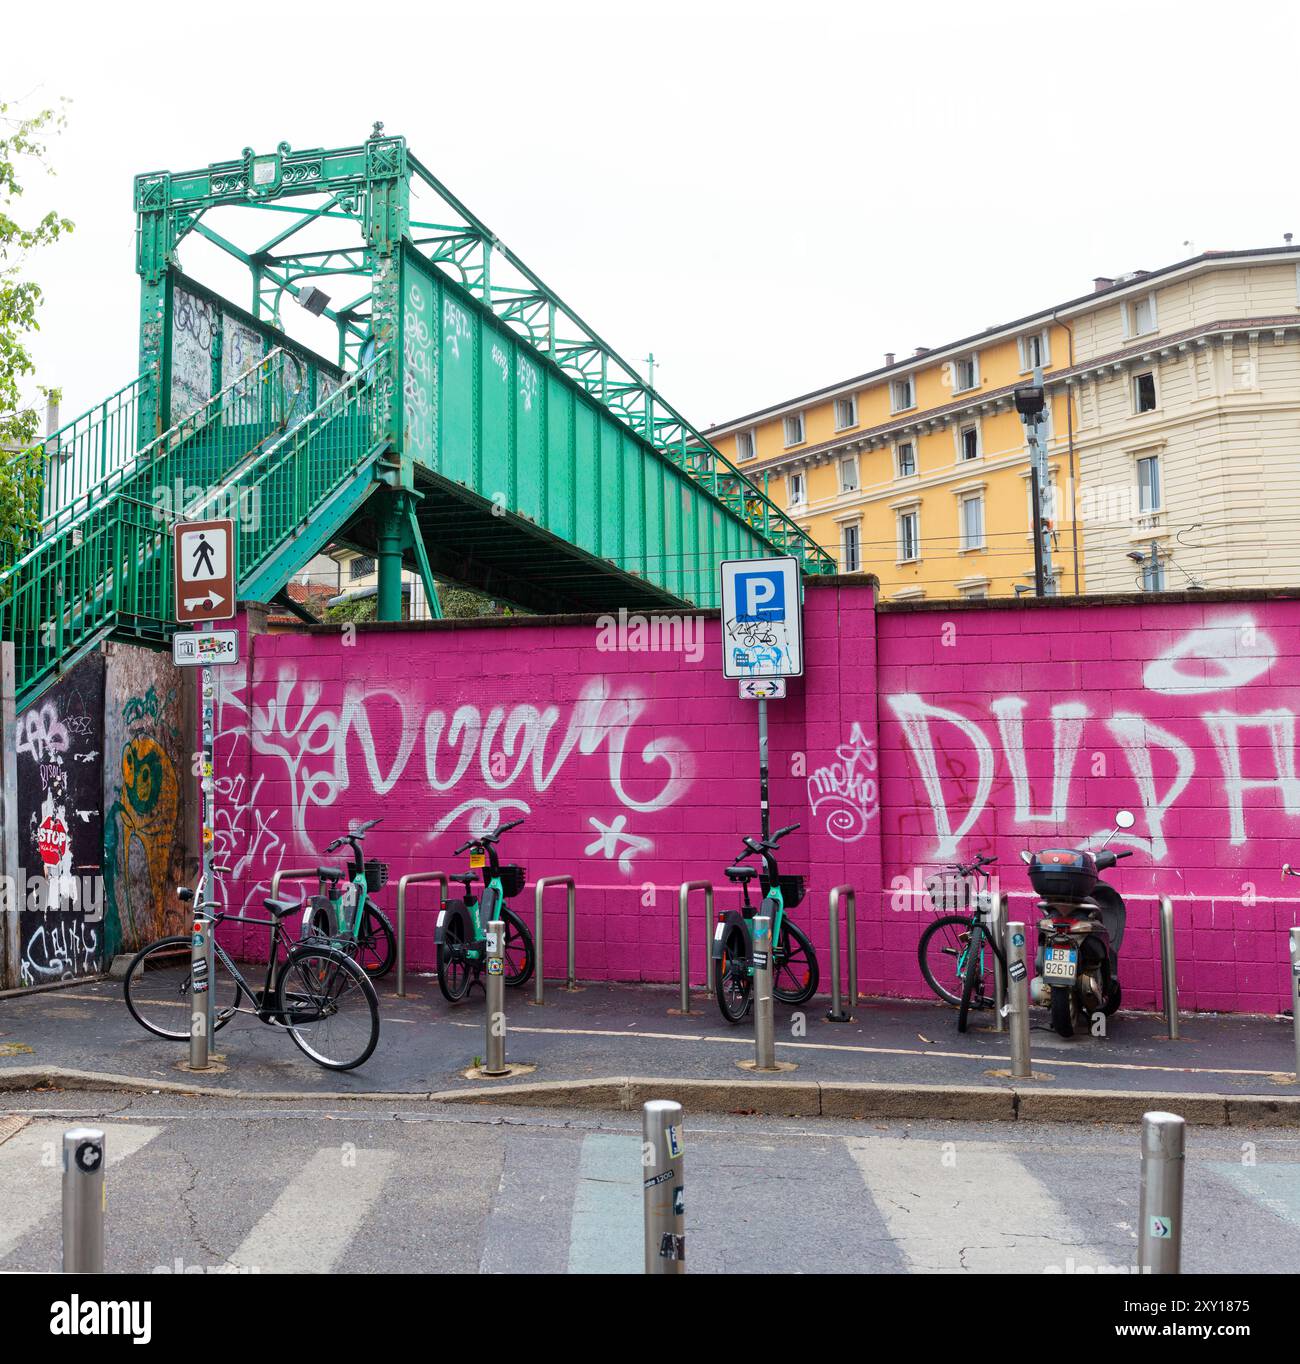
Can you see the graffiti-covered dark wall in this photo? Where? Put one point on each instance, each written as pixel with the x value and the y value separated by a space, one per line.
pixel 147 758
pixel 59 750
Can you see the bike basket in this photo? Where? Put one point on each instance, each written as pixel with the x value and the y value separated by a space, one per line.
pixel 792 888
pixel 376 875
pixel 512 880
pixel 950 893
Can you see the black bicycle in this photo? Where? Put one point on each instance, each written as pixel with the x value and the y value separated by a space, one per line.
pixel 951 951
pixel 319 995
pixel 794 963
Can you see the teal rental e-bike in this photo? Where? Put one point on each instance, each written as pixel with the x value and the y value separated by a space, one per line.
pixel 344 912
pixel 794 963
pixel 461 934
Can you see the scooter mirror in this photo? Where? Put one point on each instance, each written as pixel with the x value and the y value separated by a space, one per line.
pixel 1125 819
pixel 1026 857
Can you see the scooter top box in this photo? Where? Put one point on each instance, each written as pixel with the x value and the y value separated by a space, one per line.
pixel 1063 873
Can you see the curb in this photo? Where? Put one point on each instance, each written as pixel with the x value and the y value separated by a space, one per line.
pixel 767 1098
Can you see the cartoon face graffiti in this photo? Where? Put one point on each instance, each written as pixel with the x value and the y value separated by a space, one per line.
pixel 142 775
pixel 146 812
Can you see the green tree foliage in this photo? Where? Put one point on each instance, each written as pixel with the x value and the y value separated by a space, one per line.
pixel 22 146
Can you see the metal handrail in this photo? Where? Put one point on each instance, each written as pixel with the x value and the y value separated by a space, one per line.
pixel 683 942
pixel 571 896
pixel 837 1013
pixel 289 874
pixel 408 880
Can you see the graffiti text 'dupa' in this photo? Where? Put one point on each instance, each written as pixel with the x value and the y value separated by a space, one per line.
pixel 1208 666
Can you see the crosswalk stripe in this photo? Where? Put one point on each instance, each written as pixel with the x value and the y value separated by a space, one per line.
pixel 31 1172
pixel 308 1227
pixel 606 1235
pixel 1274 1185
pixel 973 1206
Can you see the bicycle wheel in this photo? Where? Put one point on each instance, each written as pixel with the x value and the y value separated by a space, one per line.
pixel 328 1005
pixel 794 981
pixel 455 972
pixel 376 945
pixel 732 982
pixel 941 953
pixel 972 985
pixel 157 989
pixel 518 950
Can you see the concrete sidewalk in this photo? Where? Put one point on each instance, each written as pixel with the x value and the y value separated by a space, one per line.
pixel 595 1045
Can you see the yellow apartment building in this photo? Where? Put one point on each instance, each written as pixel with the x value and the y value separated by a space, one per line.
pixel 1173 442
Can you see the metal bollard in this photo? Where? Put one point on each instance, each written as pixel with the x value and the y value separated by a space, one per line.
pixel 572 915
pixel 1018 1001
pixel 1160 1204
pixel 1168 966
pixel 84 1200
pixel 997 922
pixel 409 880
pixel 663 1187
pixel 764 1022
pixel 495 1055
pixel 200 994
pixel 838 1013
pixel 683 941
pixel 1295 996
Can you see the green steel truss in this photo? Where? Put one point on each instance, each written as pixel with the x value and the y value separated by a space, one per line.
pixel 472 426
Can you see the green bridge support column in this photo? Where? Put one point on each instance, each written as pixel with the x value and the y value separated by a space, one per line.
pixel 391 525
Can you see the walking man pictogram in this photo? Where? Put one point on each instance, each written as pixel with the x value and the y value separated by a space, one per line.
pixel 203 565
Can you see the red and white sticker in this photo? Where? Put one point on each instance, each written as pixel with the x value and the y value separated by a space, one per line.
pixel 52 840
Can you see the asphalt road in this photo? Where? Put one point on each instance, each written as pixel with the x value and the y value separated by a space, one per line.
pixel 225 1186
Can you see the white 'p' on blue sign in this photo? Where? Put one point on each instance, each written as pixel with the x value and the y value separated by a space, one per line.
pixel 762 618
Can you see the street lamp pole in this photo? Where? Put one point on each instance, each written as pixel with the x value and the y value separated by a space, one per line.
pixel 1031 403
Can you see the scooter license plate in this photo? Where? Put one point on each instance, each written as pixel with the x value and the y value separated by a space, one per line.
pixel 1060 963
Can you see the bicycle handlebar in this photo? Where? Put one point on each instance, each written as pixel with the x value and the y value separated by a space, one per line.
pixel 484 840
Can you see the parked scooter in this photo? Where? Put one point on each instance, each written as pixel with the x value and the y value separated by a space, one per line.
pixel 1080 933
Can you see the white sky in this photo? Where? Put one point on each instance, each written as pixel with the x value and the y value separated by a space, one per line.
pixel 767 195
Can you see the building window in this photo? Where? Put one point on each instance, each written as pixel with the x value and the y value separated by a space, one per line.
pixel 1053 511
pixel 976 592
pixel 1034 352
pixel 1144 392
pixel 1148 479
pixel 846 413
pixel 902 394
pixel 360 568
pixel 909 536
pixel 965 373
pixel 745 447
pixel 905 458
pixel 1140 315
pixel 794 429
pixel 1153 574
pixel 850 549
pixel 972 521
pixel 968 443
pixel 849 474
pixel 798 489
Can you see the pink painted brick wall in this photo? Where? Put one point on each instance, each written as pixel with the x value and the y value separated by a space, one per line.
pixel 915 738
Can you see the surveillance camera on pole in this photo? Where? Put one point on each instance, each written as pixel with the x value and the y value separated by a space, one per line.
pixel 1031 403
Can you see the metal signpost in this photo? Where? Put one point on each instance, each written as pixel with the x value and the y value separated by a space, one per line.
pixel 764 1018
pixel 84 1196
pixel 663 1187
pixel 1018 1000
pixel 205 576
pixel 762 639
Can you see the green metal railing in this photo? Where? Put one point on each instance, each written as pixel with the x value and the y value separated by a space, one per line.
pixel 85 451
pixel 103 564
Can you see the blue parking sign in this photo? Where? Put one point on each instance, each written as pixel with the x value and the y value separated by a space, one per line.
pixel 760 596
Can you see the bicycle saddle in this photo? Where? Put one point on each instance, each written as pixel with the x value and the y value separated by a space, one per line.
pixel 279 908
pixel 466 878
pixel 741 874
pixel 329 873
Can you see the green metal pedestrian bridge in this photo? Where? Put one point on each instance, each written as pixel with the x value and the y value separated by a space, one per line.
pixel 467 424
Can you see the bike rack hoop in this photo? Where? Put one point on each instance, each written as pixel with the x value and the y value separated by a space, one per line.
pixel 838 1013
pixel 410 879
pixel 683 940
pixel 571 896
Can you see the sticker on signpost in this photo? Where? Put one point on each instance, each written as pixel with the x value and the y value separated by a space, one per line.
pixel 762 618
